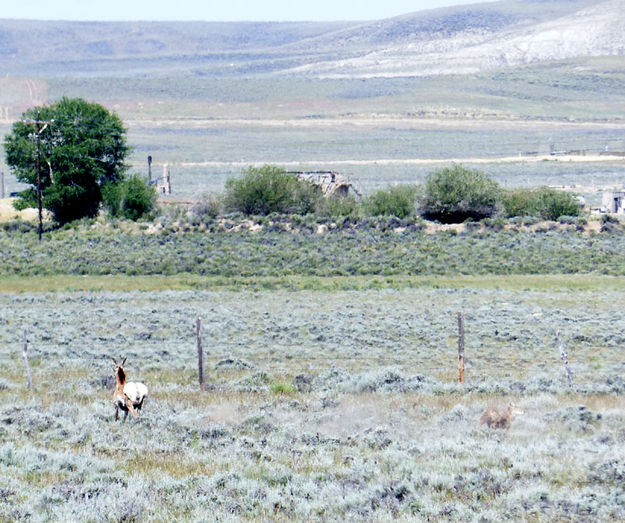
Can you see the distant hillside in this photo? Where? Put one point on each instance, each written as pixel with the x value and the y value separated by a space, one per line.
pixel 452 40
pixel 40 48
pixel 482 37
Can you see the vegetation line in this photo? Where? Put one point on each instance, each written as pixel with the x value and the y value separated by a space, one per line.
pixel 71 283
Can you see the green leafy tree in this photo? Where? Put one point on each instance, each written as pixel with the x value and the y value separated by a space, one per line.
pixel 456 194
pixel 81 150
pixel 261 191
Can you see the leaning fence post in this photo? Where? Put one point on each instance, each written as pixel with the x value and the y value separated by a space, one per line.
pixel 200 353
pixel 29 379
pixel 565 360
pixel 460 348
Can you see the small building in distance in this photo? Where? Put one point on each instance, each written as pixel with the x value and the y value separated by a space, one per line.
pixel 613 202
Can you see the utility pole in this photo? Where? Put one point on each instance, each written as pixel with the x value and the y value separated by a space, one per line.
pixel 39 176
pixel 39 129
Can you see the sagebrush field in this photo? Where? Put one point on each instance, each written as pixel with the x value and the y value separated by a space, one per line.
pixel 319 406
pixel 330 342
pixel 287 247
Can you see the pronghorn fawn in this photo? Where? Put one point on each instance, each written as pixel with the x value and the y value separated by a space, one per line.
pixel 500 419
pixel 128 396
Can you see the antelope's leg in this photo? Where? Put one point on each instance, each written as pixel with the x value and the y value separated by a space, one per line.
pixel 130 408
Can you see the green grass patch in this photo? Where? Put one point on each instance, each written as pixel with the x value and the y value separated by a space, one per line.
pixel 281 388
pixel 71 283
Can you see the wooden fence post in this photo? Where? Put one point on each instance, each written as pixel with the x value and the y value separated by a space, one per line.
pixel 200 353
pixel 460 348
pixel 565 360
pixel 29 379
pixel 166 183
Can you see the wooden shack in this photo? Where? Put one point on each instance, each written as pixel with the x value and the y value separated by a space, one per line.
pixel 330 182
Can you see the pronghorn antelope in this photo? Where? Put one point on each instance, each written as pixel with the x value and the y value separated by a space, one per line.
pixel 128 396
pixel 500 419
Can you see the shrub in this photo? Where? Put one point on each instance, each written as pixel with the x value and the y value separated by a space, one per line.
pixel 399 201
pixel 520 202
pixel 610 223
pixel 456 194
pixel 496 224
pixel 338 207
pixel 207 209
pixel 544 203
pixel 18 224
pixel 282 388
pixel 268 189
pixel 131 198
pixel 554 204
pixel 112 199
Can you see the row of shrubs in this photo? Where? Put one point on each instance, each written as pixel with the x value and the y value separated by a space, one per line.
pixel 450 195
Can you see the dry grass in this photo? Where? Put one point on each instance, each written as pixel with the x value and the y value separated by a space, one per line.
pixel 8 212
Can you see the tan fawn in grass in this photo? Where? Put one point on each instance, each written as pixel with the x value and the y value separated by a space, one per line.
pixel 500 419
pixel 128 396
